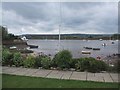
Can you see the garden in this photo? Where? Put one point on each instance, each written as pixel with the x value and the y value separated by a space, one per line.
pixel 62 61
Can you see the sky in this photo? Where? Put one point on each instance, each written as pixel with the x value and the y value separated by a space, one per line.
pixel 73 17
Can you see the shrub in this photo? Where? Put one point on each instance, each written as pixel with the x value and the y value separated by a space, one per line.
pixel 7 57
pixel 63 59
pixel 115 68
pixel 102 65
pixel 73 62
pixel 17 59
pixel 29 62
pixel 54 61
pixel 38 61
pixel 91 65
pixel 46 62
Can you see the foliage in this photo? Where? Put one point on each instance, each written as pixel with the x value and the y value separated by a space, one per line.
pixel 115 68
pixel 46 62
pixel 29 62
pixel 6 35
pixel 38 61
pixel 73 62
pixel 91 65
pixel 62 59
pixel 7 57
pixel 17 59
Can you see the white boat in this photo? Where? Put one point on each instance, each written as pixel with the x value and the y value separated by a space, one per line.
pixel 100 39
pixel 104 44
pixel 24 38
pixel 84 40
pixel 86 52
pixel 13 47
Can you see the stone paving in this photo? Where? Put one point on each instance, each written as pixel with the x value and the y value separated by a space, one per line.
pixel 69 75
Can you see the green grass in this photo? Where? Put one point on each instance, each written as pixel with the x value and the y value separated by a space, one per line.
pixel 13 81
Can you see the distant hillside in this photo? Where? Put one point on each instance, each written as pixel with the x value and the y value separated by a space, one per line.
pixel 70 36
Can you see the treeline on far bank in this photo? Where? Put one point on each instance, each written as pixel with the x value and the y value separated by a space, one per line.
pixel 75 36
pixel 10 36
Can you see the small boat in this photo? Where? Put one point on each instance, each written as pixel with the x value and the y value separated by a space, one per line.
pixel 96 48
pixel 88 47
pixel 86 52
pixel 33 46
pixel 113 42
pixel 24 38
pixel 13 47
pixel 100 39
pixel 104 44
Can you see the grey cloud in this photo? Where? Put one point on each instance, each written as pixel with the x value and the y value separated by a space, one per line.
pixel 44 17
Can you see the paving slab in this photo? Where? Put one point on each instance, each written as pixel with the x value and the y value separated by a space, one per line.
pixel 22 71
pixel 114 77
pixel 10 70
pixel 99 77
pixel 3 68
pixel 56 74
pixel 41 73
pixel 30 72
pixel 93 77
pixel 107 77
pixel 78 76
pixel 67 75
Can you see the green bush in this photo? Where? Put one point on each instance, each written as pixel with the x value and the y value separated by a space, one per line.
pixel 90 65
pixel 73 62
pixel 29 62
pixel 46 62
pixel 54 61
pixel 7 57
pixel 17 59
pixel 38 60
pixel 63 59
pixel 115 68
pixel 102 65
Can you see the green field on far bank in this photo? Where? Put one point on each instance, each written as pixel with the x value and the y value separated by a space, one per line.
pixel 13 81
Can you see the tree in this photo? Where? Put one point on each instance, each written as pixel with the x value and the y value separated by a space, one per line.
pixel 63 58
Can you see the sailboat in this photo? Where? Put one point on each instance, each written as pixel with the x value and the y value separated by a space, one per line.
pixel 24 38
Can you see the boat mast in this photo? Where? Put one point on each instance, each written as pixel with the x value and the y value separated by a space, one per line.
pixel 60 25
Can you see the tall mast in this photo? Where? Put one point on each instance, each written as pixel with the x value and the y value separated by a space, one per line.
pixel 60 25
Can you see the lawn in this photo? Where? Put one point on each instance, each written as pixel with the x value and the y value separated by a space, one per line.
pixel 13 81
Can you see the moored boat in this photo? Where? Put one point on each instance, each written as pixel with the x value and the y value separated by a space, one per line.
pixel 86 52
pixel 13 47
pixel 33 46
pixel 88 47
pixel 113 42
pixel 104 44
pixel 96 48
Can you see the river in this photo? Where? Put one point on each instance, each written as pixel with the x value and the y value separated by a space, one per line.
pixel 76 47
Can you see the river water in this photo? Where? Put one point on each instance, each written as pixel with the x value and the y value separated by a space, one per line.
pixel 76 47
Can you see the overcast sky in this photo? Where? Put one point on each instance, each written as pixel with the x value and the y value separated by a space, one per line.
pixel 44 18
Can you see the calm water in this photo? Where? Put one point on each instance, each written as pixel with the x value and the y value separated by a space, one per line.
pixel 75 46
